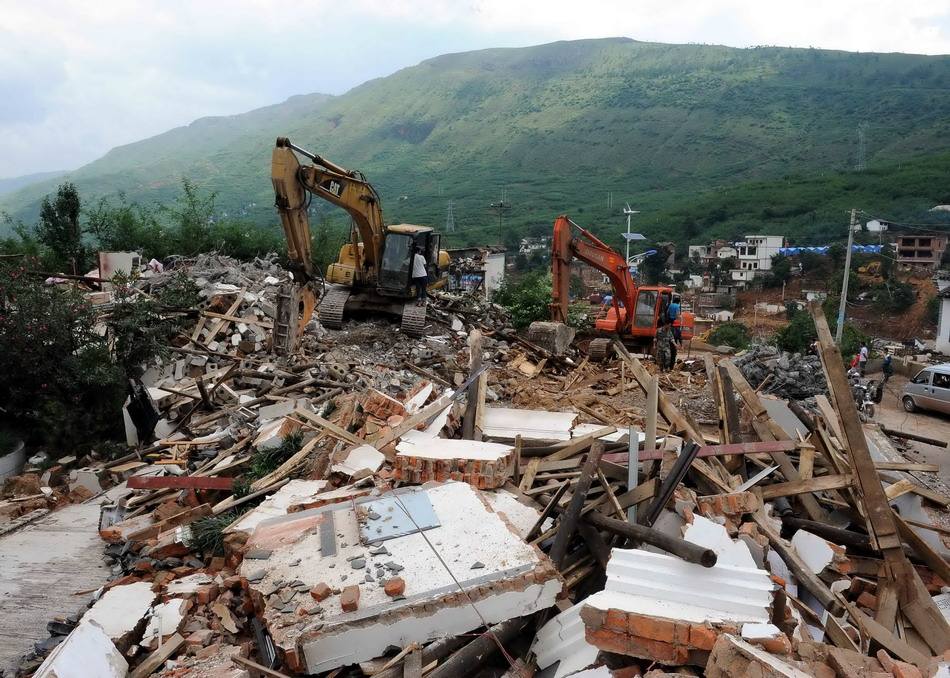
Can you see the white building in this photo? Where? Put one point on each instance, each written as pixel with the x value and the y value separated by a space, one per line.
pixel 755 256
pixel 942 341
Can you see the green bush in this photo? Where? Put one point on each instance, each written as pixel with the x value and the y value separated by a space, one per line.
pixel 800 332
pixel 932 315
pixel 894 297
pixel 527 299
pixel 732 333
pixel 58 382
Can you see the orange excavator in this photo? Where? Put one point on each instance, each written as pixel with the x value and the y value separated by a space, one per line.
pixel 649 302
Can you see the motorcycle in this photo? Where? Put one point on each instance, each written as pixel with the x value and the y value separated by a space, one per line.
pixel 866 393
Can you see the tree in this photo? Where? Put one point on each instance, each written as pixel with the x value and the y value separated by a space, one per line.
pixel 652 268
pixel 59 231
pixel 780 272
pixel 193 214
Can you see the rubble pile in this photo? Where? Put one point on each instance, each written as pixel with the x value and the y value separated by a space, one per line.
pixel 468 503
pixel 788 375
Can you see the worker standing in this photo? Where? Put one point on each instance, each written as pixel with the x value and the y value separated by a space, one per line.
pixel 863 358
pixel 420 277
pixel 673 313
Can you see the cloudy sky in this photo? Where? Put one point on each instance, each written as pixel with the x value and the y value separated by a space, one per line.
pixel 79 77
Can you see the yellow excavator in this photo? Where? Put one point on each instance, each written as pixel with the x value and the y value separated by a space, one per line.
pixel 373 270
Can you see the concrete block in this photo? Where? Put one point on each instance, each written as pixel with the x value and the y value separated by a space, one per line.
pixel 87 651
pixel 121 610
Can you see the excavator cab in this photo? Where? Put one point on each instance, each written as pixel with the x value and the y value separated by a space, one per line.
pixel 395 271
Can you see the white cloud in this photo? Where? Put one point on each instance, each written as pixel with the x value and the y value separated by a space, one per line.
pixel 77 78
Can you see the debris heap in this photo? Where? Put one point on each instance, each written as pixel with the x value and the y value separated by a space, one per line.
pixel 468 503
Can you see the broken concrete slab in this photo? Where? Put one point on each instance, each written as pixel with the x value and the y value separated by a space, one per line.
pixel 516 511
pixel 505 423
pixel 296 491
pixel 166 619
pixel 318 545
pixel 361 461
pixel 87 651
pixel 121 610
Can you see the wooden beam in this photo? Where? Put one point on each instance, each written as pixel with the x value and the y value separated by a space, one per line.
pixel 155 660
pixel 255 667
pixel 578 445
pixel 905 466
pixel 471 395
pixel 924 551
pixel 568 522
pixel 179 483
pixel 915 603
pixel 820 484
pixel 885 637
pixel 767 429
pixel 331 428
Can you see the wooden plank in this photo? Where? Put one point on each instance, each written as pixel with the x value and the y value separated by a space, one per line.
pixel 611 497
pixel 898 489
pixel 767 429
pixel 820 484
pixel 568 522
pixel 471 394
pixel 332 428
pixel 288 466
pixel 915 603
pixel 829 414
pixel 806 460
pixel 923 550
pixel 758 447
pixel 185 517
pixel 179 483
pixel 530 471
pixel 905 466
pixel 886 638
pixel 155 660
pixel 548 510
pixel 267 324
pixel 578 445
pixel 641 493
pixel 412 666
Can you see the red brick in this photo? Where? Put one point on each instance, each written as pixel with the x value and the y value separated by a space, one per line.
pixel 702 637
pixel 616 621
pixel 395 587
pixel 651 628
pixel 780 644
pixel 206 593
pixel 897 668
pixel 350 598
pixel 320 592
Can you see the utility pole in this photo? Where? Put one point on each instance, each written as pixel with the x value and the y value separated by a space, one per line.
pixel 844 282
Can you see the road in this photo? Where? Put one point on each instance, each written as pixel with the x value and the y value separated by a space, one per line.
pixel 42 567
pixel 935 425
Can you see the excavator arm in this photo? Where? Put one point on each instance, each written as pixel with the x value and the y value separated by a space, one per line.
pixel 588 248
pixel 293 186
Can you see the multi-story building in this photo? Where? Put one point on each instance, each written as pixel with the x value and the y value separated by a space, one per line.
pixel 754 256
pixel 921 249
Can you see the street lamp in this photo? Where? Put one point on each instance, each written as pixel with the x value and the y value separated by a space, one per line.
pixel 628 236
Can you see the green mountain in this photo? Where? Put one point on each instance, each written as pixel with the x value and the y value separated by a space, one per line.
pixel 559 126
pixel 11 184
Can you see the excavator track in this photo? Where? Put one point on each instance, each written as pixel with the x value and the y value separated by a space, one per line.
pixel 598 348
pixel 331 308
pixel 413 319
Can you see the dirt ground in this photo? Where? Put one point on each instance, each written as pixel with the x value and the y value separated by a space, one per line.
pixel 936 425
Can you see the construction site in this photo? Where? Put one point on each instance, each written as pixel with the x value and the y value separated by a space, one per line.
pixel 371 471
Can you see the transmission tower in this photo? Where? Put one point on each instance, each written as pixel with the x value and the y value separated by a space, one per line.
pixel 450 217
pixel 861 163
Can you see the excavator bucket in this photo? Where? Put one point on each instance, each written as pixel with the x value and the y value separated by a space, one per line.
pixel 295 306
pixel 552 336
